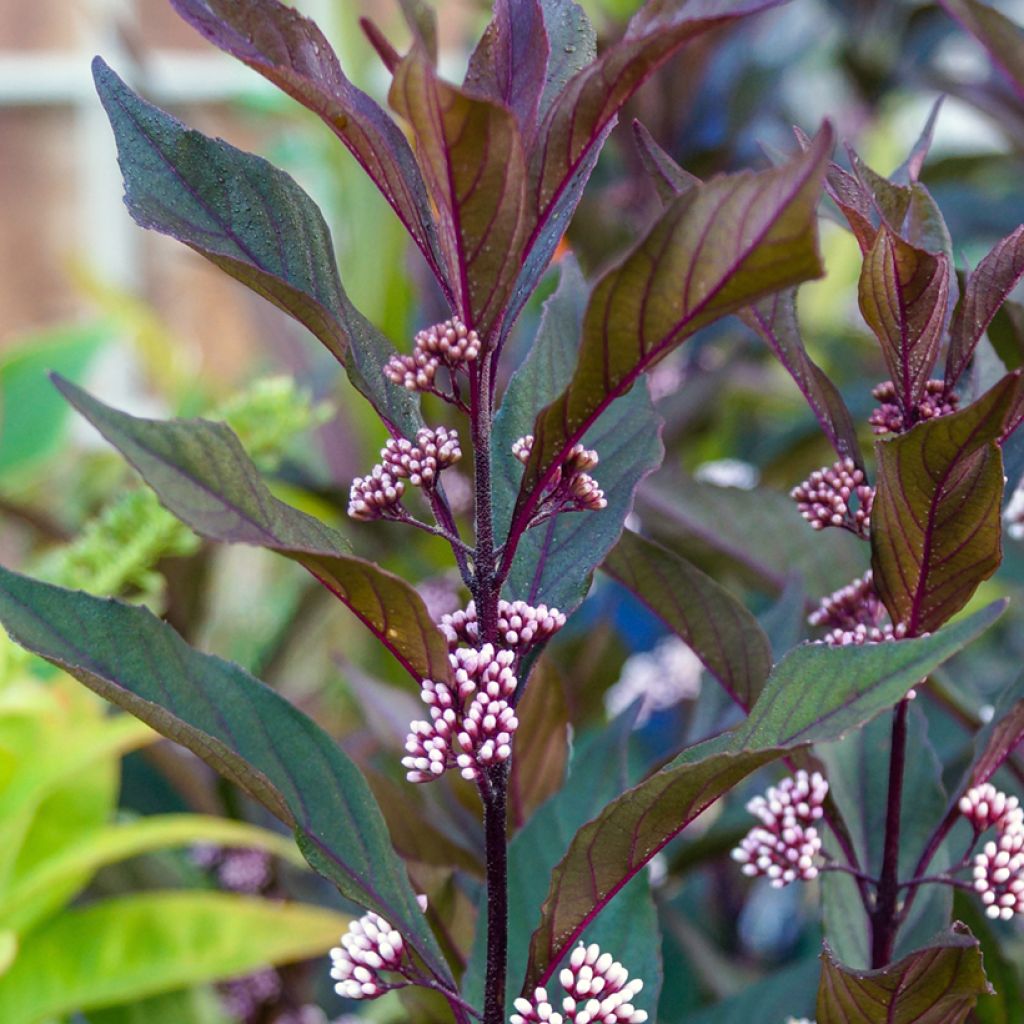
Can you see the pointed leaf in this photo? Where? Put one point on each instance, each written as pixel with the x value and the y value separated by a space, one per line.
pixel 999 738
pixel 716 249
pixel 935 522
pixel 1003 38
pixel 775 320
pixel 986 291
pixel 573 45
pixel 903 297
pixel 422 21
pixel 201 473
pixel 125 949
pixel 889 200
pixel 554 562
pixel 472 158
pixel 668 178
pixel 723 634
pixel 242 728
pixel 583 113
pixel 816 694
pixel 255 223
pixel 936 985
pixel 510 62
pixel 291 51
pixel 909 171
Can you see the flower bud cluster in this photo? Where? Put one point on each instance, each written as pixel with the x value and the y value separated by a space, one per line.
pixel 936 401
pixel 572 488
pixel 520 625
pixel 854 614
pixel 370 949
pixel 598 991
pixel 824 498
pixel 450 344
pixel 472 722
pixel 784 846
pixel 379 494
pixel 999 871
pixel 985 807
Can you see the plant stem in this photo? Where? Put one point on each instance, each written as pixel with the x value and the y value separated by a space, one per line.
pixel 496 844
pixel 884 917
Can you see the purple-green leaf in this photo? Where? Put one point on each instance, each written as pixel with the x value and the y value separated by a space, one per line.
pixel 715 249
pixel 292 52
pixel 235 723
pixel 722 633
pixel 668 178
pixel 1003 38
pixel 510 62
pixel 984 294
pixel 815 694
pixel 572 42
pixel 201 473
pixel 904 293
pixel 472 158
pixel 936 985
pixel 255 223
pixel 555 561
pixel 935 522
pixel 999 738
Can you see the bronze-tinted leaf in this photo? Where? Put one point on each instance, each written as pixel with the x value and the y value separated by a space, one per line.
pixel 935 522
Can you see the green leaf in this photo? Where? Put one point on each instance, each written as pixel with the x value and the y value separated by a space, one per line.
pixel 722 633
pixel 936 985
pixel 904 292
pixel 255 223
pixel 816 693
pixel 30 898
pixel 555 561
pixel 783 994
pixel 125 949
pixel 278 42
pixel 240 727
pixel 984 295
pixel 749 234
pixel 201 473
pixel 190 1006
pixel 472 158
pixel 935 522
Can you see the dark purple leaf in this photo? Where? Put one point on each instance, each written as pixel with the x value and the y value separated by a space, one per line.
pixel 815 694
pixel 510 62
pixel 555 561
pixel 935 522
pixel 986 291
pixel 668 178
pixel 389 56
pixel 904 294
pixel 936 985
pixel 1003 38
pixel 722 633
pixel 716 249
pixel 294 54
pixel 472 158
pixel 775 320
pixel 254 222
pixel 240 727
pixel 201 473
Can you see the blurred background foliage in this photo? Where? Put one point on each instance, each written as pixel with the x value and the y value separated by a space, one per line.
pixel 116 849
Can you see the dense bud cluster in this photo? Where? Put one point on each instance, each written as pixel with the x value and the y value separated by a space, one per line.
pixel 420 463
pixel 824 498
pixel 785 845
pixel 471 722
pixel 888 417
pixel 854 614
pixel 999 872
pixel 450 344
pixel 572 488
pixel 379 494
pixel 985 807
pixel 520 625
pixel 598 991
pixel 370 949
